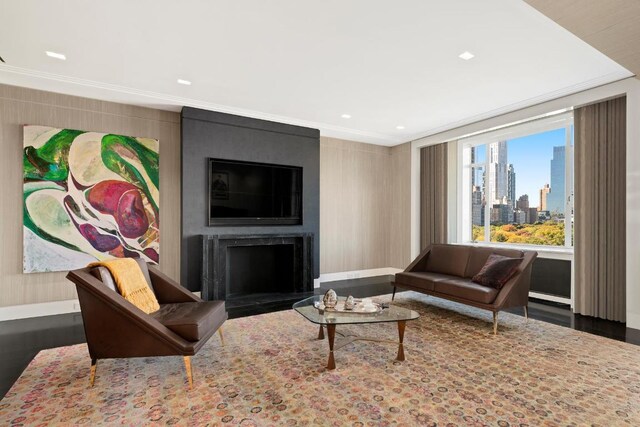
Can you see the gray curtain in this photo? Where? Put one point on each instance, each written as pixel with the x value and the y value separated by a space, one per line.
pixel 600 209
pixel 433 195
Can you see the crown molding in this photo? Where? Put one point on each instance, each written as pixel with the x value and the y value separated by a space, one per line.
pixel 115 93
pixel 105 91
pixel 530 102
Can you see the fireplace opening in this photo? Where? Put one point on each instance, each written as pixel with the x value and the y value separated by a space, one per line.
pixel 260 269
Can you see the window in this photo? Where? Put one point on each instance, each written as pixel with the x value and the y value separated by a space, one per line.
pixel 516 184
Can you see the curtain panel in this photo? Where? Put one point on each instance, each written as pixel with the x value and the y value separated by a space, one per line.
pixel 600 209
pixel 433 195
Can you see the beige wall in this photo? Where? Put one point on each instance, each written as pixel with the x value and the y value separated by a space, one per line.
pixel 400 207
pixel 364 206
pixel 19 106
pixel 364 191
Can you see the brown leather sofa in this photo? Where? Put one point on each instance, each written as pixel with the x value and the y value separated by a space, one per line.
pixel 115 328
pixel 445 271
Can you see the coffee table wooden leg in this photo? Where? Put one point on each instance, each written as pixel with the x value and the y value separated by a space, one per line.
pixel 331 332
pixel 321 333
pixel 401 326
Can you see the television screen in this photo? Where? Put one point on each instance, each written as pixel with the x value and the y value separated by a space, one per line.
pixel 254 193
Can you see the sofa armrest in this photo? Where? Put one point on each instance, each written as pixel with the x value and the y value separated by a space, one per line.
pixel 420 263
pixel 515 293
pixel 167 290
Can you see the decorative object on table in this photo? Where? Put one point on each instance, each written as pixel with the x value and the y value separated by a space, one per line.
pixel 330 299
pixel 88 197
pixel 349 303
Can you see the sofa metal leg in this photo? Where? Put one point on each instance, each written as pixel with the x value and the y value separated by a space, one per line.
pixel 92 372
pixel 221 335
pixel 526 312
pixel 394 293
pixel 495 323
pixel 187 366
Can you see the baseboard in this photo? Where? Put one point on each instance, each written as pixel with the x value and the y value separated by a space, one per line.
pixel 24 311
pixel 356 274
pixel 633 320
pixel 633 336
pixel 552 298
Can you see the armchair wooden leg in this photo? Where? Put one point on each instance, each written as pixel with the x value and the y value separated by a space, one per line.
pixel 495 323
pixel 394 293
pixel 221 335
pixel 526 312
pixel 92 372
pixel 187 366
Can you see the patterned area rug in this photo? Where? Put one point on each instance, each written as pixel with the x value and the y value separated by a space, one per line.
pixel 271 372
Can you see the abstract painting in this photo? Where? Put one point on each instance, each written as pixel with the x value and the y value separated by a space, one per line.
pixel 88 196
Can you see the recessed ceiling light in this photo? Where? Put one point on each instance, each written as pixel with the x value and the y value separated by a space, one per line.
pixel 346 116
pixel 184 82
pixel 466 55
pixel 399 127
pixel 56 55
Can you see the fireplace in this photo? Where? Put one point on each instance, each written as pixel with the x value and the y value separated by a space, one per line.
pixel 253 269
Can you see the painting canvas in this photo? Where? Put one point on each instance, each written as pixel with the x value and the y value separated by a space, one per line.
pixel 87 197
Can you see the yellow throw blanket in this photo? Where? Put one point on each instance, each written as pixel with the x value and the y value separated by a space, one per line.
pixel 131 283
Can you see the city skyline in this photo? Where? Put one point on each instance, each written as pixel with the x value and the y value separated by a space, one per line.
pixel 514 183
pixel 533 167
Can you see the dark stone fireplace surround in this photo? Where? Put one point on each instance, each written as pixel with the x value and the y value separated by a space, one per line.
pixel 216 278
pixel 209 134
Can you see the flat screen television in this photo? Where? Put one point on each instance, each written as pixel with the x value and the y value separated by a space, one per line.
pixel 247 193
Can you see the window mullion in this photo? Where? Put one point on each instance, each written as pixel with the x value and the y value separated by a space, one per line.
pixel 487 206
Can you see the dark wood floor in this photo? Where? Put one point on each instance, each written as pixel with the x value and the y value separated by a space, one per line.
pixel 21 340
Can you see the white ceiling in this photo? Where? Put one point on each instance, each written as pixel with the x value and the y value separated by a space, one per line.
pixel 304 62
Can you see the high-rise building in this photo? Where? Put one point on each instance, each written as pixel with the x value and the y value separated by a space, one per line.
pixel 556 197
pixel 532 217
pixel 498 173
pixel 520 217
pixel 511 185
pixel 544 192
pixel 522 204
pixel 477 206
pixel 501 213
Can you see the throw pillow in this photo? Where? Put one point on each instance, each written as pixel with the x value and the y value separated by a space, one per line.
pixel 497 271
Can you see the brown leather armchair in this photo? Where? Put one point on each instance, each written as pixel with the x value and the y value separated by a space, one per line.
pixel 115 328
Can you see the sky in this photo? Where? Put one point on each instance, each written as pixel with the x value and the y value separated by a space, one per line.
pixel 531 158
pixel 533 166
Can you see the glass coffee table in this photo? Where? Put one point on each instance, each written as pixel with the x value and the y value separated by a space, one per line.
pixel 330 319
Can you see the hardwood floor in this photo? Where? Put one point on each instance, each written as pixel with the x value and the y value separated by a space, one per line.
pixel 21 340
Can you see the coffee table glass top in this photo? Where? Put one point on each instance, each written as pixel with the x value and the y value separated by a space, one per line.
pixel 391 314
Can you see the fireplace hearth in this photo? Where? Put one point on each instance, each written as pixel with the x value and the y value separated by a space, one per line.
pixel 254 269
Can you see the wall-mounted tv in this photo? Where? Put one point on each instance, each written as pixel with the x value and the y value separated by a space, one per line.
pixel 247 193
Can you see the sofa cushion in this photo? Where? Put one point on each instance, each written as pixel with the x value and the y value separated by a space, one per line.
pixel 191 320
pixel 466 289
pixel 420 279
pixel 448 259
pixel 497 271
pixel 478 258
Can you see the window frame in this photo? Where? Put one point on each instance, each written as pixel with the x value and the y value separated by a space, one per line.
pixel 465 167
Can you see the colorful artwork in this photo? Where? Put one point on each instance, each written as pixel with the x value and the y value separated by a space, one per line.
pixel 88 196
